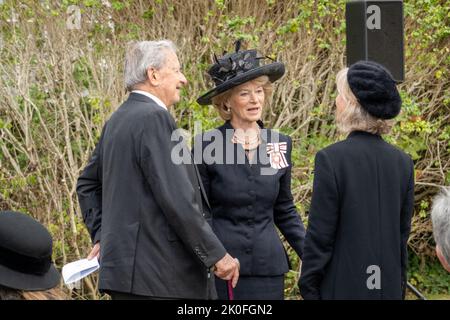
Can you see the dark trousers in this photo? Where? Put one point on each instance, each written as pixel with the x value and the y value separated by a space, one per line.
pixel 253 288
pixel 115 295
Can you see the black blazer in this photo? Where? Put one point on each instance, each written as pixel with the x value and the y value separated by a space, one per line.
pixel 360 216
pixel 145 210
pixel 247 205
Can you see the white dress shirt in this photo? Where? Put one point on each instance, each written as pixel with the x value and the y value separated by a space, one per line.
pixel 151 96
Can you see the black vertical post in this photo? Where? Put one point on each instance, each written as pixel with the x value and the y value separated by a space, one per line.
pixel 375 32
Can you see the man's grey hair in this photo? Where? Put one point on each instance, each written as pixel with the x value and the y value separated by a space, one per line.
pixel 142 55
pixel 440 215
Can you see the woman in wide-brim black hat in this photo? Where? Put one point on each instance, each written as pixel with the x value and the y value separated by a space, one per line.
pixel 363 196
pixel 26 268
pixel 247 176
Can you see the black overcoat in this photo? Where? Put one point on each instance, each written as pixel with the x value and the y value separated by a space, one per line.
pixel 146 211
pixel 359 221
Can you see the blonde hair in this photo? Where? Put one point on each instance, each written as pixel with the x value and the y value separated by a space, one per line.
pixel 220 100
pixel 354 117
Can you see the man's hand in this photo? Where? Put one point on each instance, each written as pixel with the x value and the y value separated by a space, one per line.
pixel 95 252
pixel 227 268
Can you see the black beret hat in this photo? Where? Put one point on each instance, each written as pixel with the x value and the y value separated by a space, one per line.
pixel 25 253
pixel 375 89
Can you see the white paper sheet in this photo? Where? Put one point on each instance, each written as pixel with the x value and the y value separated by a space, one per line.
pixel 74 271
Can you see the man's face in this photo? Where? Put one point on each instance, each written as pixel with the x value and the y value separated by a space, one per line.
pixel 171 81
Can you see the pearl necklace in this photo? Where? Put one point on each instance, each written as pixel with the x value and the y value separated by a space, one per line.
pixel 249 139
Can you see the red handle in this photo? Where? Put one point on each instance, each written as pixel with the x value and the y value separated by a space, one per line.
pixel 230 290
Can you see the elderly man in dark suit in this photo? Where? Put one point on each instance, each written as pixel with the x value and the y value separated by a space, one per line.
pixel 363 196
pixel 146 213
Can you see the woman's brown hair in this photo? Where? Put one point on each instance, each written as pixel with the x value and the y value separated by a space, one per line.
pixel 13 294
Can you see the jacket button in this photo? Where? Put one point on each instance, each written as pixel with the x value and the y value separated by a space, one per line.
pixel 250 207
pixel 252 193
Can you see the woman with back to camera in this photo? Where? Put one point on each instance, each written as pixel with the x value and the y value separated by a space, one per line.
pixel 363 196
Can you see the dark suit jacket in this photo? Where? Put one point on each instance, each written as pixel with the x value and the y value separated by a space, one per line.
pixel 247 205
pixel 147 211
pixel 360 216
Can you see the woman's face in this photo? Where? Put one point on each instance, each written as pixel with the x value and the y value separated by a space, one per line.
pixel 246 102
pixel 340 104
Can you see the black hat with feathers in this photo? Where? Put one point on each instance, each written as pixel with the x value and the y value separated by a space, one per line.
pixel 236 68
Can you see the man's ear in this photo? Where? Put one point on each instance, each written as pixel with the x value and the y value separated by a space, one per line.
pixel 153 76
pixel 441 258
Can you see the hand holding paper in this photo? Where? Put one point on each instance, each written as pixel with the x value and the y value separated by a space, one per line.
pixel 74 271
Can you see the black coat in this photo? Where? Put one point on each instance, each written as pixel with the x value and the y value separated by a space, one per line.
pixel 360 216
pixel 247 205
pixel 147 211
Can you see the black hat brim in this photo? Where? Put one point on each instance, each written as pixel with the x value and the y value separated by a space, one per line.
pixel 29 282
pixel 274 71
